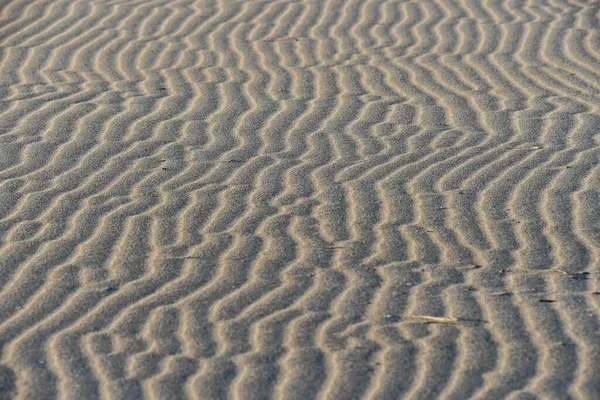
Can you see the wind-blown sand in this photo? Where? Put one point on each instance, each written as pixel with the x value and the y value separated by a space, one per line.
pixel 329 199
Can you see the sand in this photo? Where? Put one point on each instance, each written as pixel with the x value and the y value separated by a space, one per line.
pixel 300 199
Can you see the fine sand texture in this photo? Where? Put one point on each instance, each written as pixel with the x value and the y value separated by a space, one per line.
pixel 300 199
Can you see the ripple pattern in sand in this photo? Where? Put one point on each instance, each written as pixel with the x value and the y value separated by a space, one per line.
pixel 294 199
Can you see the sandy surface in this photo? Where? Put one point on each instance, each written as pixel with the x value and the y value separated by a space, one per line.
pixel 376 199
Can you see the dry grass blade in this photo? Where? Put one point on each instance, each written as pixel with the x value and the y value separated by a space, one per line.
pixel 435 320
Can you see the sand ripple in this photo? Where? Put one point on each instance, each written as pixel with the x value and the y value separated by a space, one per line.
pixel 299 199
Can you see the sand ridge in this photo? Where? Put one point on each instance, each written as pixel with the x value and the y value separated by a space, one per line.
pixel 299 199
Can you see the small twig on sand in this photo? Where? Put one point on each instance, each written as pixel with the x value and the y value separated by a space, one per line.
pixel 574 275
